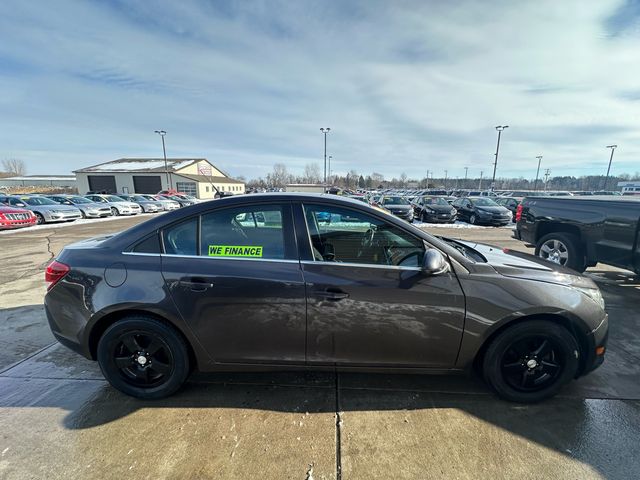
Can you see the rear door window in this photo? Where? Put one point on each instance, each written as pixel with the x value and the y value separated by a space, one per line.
pixel 251 232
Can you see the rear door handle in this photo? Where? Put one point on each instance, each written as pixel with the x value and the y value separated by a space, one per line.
pixel 196 284
pixel 332 295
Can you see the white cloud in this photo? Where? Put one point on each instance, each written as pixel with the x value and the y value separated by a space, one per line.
pixel 405 86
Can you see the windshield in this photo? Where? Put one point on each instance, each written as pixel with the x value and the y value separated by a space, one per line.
pixel 38 201
pixel 138 198
pixel 113 198
pixel 78 200
pixel 394 201
pixel 435 201
pixel 484 202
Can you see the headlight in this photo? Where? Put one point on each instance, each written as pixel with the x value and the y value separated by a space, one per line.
pixel 594 294
pixel 453 211
pixel 428 210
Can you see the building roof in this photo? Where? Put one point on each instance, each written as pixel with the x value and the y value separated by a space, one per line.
pixel 59 178
pixel 141 165
pixel 207 179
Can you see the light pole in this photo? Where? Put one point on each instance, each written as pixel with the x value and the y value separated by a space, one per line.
pixel 445 179
pixel 330 157
pixel 535 185
pixel 325 131
pixel 162 133
pixel 547 172
pixel 612 147
pixel 499 128
pixel 466 169
pixel 480 182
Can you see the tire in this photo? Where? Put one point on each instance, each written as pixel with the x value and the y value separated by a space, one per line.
pixel 143 378
pixel 40 218
pixel 423 217
pixel 563 249
pixel 473 220
pixel 114 212
pixel 513 370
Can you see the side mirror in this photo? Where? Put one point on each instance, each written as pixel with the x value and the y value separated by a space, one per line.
pixel 434 262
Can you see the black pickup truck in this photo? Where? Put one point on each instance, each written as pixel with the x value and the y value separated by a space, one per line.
pixel 579 232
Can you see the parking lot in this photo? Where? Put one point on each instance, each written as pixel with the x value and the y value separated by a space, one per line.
pixel 60 419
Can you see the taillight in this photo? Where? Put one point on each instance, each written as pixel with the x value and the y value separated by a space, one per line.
pixel 55 272
pixel 519 213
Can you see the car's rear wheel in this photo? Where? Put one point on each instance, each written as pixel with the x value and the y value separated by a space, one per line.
pixel 531 361
pixel 114 211
pixel 39 218
pixel 563 249
pixel 143 357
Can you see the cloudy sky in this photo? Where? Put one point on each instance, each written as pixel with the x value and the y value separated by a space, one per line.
pixel 405 86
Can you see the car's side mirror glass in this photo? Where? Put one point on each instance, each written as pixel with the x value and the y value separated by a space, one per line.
pixel 434 262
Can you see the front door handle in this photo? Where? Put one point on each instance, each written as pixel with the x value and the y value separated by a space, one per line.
pixel 196 284
pixel 332 295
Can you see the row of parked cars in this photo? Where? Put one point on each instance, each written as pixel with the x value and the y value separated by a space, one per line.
pixel 478 210
pixel 18 211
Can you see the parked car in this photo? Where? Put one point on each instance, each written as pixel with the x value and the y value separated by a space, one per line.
pixel 117 205
pixel 579 232
pixel 510 203
pixel 12 217
pixel 229 285
pixel 434 210
pixel 166 203
pixel 87 208
pixel 45 209
pixel 397 205
pixel 481 211
pixel 183 202
pixel 147 206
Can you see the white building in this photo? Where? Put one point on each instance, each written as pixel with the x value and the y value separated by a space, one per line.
pixel 193 176
pixel 630 188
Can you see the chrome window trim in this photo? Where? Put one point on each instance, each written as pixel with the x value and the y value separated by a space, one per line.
pixel 361 265
pixel 141 254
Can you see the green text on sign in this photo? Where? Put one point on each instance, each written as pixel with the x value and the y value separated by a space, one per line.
pixel 234 251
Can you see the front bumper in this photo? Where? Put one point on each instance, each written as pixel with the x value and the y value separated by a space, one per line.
pixel 439 217
pixel 63 217
pixel 597 346
pixel 98 213
pixel 10 224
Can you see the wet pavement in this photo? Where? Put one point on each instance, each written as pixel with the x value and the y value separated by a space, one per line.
pixel 59 418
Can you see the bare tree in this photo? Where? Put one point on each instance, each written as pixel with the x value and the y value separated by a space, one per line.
pixel 312 173
pixel 280 176
pixel 14 166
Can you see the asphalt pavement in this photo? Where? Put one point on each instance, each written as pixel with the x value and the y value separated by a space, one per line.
pixel 60 419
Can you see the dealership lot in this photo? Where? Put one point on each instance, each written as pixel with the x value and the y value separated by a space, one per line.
pixel 59 418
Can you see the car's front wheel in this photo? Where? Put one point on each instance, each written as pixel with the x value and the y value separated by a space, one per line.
pixel 143 357
pixel 39 218
pixel 531 361
pixel 114 212
pixel 473 220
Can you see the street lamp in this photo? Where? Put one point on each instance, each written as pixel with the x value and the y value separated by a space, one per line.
pixel 612 147
pixel 535 185
pixel 445 179
pixel 325 131
pixel 466 169
pixel 329 167
pixel 499 128
pixel 162 133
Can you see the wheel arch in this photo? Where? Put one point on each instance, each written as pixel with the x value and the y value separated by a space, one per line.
pixel 566 322
pixel 545 228
pixel 101 325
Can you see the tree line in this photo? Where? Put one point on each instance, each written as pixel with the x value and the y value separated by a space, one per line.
pixel 280 176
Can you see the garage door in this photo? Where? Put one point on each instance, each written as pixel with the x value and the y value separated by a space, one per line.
pixel 147 184
pixel 100 183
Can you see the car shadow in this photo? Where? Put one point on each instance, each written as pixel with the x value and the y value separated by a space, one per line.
pixel 594 420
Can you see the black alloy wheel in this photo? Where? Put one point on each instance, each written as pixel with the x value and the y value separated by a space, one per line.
pixel 531 361
pixel 143 357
